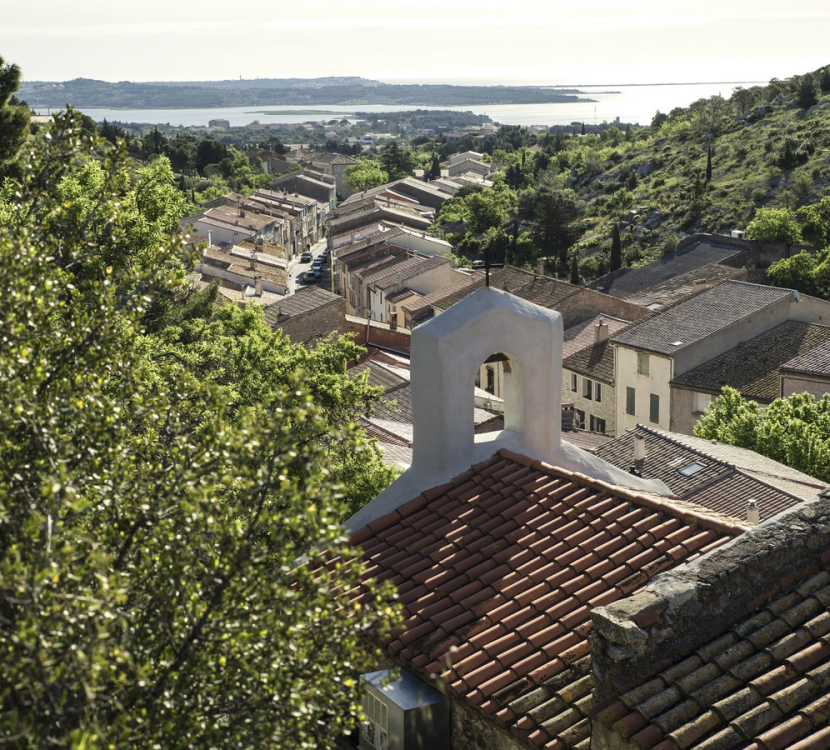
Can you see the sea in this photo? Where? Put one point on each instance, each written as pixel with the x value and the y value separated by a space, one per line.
pixel 628 104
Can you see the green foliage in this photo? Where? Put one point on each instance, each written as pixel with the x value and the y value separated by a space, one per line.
pixel 397 162
pixel 616 248
pixel 774 225
pixel 552 217
pixel 364 175
pixel 14 117
pixel 157 486
pixel 806 90
pixel 816 221
pixel 794 431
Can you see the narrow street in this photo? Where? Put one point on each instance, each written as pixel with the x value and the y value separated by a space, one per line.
pixel 297 269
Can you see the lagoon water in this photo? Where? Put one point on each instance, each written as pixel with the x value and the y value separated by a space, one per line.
pixel 634 104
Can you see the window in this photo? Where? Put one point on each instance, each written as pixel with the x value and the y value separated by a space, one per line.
pixel 692 469
pixel 579 419
pixel 491 380
pixel 629 400
pixel 654 408
pixel 642 363
pixel 587 384
pixel 597 424
pixel 598 392
pixel 573 382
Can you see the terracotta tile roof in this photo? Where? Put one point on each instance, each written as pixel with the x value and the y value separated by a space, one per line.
pixel 595 361
pixel 764 684
pixel 379 376
pixel 696 476
pixel 416 306
pixel 498 571
pixel 701 316
pixel 578 336
pixel 686 261
pixel 396 269
pixel 303 301
pixel 814 362
pixel 586 440
pixel 681 286
pixel 753 368
pixel 785 478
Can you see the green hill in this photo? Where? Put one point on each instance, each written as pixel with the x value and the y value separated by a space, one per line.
pixel 770 147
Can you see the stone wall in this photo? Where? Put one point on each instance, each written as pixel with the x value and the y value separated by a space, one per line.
pixel 681 609
pixel 587 303
pixel 317 323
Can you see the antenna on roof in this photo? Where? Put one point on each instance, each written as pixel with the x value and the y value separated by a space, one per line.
pixel 488 266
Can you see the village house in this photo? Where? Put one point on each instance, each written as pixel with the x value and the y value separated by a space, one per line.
pixel 311 313
pixel 334 165
pixel 258 266
pixel 808 373
pixel 657 352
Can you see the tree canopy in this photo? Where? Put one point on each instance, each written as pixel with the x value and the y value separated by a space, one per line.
pixel 364 175
pixel 162 469
pixel 794 431
pixel 774 225
pixel 14 117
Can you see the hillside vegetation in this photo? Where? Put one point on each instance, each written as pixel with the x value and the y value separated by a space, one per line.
pixel 705 168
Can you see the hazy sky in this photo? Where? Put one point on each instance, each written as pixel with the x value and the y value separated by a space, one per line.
pixel 518 41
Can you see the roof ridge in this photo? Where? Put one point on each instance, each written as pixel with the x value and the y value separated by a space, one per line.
pixel 673 506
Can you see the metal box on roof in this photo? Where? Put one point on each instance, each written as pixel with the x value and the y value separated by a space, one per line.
pixel 402 713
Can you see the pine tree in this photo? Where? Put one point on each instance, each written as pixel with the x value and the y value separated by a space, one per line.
pixel 616 248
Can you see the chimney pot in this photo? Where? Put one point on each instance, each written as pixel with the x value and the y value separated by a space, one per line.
pixel 600 331
pixel 753 516
pixel 639 447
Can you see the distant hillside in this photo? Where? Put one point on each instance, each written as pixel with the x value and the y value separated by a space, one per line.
pixel 767 149
pixel 85 92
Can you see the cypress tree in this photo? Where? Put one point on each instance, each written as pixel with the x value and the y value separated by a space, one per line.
pixel 616 248
pixel 575 269
pixel 583 128
pixel 709 164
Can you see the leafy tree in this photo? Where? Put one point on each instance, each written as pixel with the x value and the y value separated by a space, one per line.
pixel 364 175
pixel 209 151
pixel 14 117
pixel 794 431
pixel 552 215
pixel 397 162
pixel 796 272
pixel 156 488
pixel 485 211
pixel 616 248
pixel 774 225
pixel 434 171
pixel 816 220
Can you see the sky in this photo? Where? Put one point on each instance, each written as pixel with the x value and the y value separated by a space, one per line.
pixel 430 41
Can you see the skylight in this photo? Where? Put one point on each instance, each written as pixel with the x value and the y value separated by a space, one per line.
pixel 692 469
pixel 675 461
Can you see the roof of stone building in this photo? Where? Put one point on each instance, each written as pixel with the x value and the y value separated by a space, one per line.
pixel 379 376
pixel 498 570
pixel 698 477
pixel 753 367
pixel 701 316
pixel 415 306
pixel 583 334
pixel 814 362
pixel 303 301
pixel 681 263
pixel 595 361
pixel 764 684
pixel 764 469
pixel 332 158
pixel 682 286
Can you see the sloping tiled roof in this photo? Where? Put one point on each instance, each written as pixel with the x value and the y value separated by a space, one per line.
pixel 764 684
pixel 699 317
pixel 814 362
pixel 498 571
pixel 379 376
pixel 583 334
pixel 753 368
pixel 595 361
pixel 715 484
pixel 764 469
pixel 415 306
pixel 687 260
pixel 681 286
pixel 304 300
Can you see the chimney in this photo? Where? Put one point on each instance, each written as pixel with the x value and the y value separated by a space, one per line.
pixel 540 269
pixel 698 285
pixel 639 447
pixel 258 286
pixel 753 516
pixel 600 331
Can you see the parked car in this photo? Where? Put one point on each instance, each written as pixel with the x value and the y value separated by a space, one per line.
pixel 312 276
pixel 305 257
